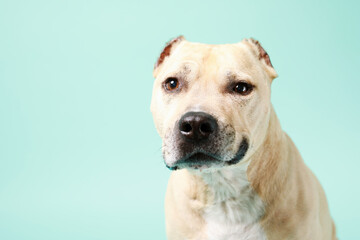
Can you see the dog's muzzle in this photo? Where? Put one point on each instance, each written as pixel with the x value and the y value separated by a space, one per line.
pixel 200 143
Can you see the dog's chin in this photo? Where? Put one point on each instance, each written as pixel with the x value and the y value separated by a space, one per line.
pixel 198 161
pixel 202 161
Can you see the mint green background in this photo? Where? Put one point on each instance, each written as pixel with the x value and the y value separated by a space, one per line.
pixel 79 155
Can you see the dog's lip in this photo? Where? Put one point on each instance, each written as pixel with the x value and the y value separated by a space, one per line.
pixel 201 160
pixel 197 160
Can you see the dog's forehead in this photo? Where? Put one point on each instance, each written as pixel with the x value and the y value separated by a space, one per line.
pixel 213 59
pixel 204 53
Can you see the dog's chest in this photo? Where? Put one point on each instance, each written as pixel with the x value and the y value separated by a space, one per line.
pixel 235 208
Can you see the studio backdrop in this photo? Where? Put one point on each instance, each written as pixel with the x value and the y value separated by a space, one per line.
pixel 80 158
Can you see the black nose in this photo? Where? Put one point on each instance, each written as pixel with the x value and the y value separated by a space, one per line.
pixel 197 126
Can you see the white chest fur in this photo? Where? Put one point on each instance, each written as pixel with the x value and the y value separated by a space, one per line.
pixel 235 208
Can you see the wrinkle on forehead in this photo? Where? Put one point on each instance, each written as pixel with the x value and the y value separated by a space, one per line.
pixel 215 62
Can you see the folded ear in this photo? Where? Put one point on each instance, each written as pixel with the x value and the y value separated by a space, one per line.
pixel 262 55
pixel 169 48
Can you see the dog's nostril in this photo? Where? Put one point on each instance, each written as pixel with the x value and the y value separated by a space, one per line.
pixel 206 128
pixel 196 126
pixel 185 127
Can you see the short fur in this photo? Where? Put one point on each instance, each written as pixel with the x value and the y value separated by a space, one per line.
pixel 270 194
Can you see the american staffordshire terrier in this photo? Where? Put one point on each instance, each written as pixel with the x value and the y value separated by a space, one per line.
pixel 236 175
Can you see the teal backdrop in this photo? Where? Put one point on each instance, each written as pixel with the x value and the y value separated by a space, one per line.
pixel 80 158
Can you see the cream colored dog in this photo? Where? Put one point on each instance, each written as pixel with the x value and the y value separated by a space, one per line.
pixel 238 175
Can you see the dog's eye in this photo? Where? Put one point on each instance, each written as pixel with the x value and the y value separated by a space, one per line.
pixel 171 84
pixel 243 88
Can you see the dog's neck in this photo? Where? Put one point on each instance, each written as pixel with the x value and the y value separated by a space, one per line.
pixel 269 165
pixel 231 197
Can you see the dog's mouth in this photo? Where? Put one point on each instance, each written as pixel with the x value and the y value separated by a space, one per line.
pixel 204 160
pixel 198 161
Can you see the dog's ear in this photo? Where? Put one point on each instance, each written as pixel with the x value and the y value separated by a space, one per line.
pixel 169 48
pixel 262 55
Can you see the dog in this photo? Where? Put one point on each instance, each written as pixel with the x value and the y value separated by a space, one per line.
pixel 236 174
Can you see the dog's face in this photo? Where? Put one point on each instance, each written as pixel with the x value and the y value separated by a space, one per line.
pixel 211 103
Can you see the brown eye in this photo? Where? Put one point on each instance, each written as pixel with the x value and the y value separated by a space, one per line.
pixel 171 84
pixel 243 88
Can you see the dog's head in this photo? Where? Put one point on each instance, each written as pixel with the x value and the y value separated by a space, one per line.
pixel 211 103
